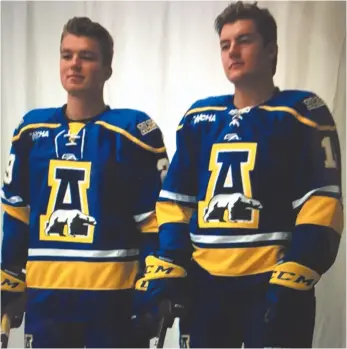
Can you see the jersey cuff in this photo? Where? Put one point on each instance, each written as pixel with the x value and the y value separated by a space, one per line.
pixel 11 283
pixel 157 268
pixel 294 275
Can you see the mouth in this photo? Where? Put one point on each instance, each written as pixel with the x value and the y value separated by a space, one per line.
pixel 235 65
pixel 75 76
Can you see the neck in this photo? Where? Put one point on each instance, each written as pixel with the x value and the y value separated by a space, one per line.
pixel 255 93
pixel 84 107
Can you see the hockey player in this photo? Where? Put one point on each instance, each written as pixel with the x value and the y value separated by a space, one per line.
pixel 252 199
pixel 78 197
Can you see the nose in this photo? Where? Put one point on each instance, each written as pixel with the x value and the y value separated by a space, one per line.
pixel 76 63
pixel 234 50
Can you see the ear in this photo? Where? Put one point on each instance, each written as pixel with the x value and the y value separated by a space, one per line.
pixel 108 72
pixel 272 50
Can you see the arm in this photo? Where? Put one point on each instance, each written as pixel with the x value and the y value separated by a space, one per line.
pixel 175 206
pixel 148 185
pixel 14 198
pixel 317 203
pixel 177 200
pixel 151 166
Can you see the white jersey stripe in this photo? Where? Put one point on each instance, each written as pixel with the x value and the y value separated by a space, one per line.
pixel 334 189
pixel 165 194
pixel 218 239
pixel 52 252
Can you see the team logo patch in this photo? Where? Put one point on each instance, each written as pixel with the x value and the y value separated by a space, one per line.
pixel 229 201
pixel 204 117
pixel 147 126
pixel 39 134
pixel 232 137
pixel 74 220
pixel 313 103
pixel 234 204
pixel 67 217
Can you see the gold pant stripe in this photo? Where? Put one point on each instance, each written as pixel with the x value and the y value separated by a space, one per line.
pixel 238 261
pixel 81 275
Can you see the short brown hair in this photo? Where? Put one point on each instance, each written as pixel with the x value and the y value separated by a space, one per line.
pixel 84 26
pixel 263 19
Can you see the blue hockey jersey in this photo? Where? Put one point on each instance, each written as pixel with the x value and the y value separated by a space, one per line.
pixel 76 197
pixel 249 188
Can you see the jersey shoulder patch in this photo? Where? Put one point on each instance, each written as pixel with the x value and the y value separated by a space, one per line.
pixel 315 109
pixel 303 106
pixel 137 126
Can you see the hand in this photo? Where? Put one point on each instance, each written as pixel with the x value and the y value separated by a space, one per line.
pixel 145 318
pixel 13 296
pixel 286 317
pixel 163 280
pixel 13 305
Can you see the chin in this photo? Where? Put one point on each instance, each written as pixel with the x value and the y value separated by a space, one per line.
pixel 74 90
pixel 236 77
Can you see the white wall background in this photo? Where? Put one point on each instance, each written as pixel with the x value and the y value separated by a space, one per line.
pixel 166 57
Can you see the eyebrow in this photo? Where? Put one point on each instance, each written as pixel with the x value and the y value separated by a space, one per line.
pixel 237 37
pixel 224 41
pixel 67 50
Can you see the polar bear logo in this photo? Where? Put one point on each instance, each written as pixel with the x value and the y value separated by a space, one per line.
pixel 231 202
pixel 73 219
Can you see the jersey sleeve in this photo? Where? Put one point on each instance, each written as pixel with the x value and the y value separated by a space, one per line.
pixel 317 198
pixel 177 200
pixel 15 204
pixel 151 167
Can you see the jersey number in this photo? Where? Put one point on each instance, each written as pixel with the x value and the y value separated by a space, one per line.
pixel 9 169
pixel 329 155
pixel 163 167
pixel 228 202
pixel 67 217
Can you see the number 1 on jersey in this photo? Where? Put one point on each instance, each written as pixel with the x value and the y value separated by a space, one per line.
pixel 329 155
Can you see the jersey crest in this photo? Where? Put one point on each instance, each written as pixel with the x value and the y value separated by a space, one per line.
pixel 228 202
pixel 67 217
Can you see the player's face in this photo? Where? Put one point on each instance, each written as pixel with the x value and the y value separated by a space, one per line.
pixel 244 55
pixel 81 65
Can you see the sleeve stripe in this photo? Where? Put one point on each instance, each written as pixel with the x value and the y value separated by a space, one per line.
pixel 28 127
pixel 20 213
pixel 141 217
pixel 131 137
pixel 150 225
pixel 165 194
pixel 329 189
pixel 170 212
pixel 199 110
pixel 299 117
pixel 324 211
pixel 12 200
